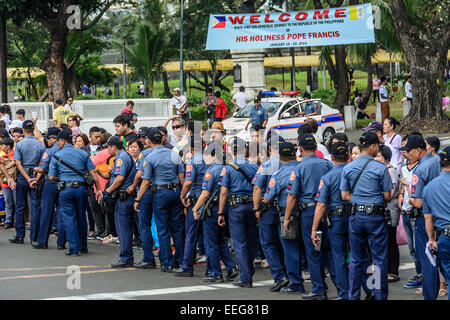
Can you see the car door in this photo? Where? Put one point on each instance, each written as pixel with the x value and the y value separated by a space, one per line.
pixel 287 122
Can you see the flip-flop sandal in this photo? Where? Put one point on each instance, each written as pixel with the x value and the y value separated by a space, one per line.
pixel 393 278
pixel 442 293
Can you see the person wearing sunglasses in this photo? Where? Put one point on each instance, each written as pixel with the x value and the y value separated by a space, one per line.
pixel 178 129
pixel 73 123
pixel 69 103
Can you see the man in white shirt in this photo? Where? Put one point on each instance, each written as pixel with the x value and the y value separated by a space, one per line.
pixel 69 103
pixel 240 99
pixel 408 88
pixel 179 103
pixel 384 99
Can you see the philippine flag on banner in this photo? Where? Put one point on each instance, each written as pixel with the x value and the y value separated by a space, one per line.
pixel 219 22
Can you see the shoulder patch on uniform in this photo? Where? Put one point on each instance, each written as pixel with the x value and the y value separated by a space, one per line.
pixel 145 163
pixel 272 182
pixel 140 156
pixel 259 169
pixel 292 177
pixel 45 155
pixel 119 162
pixel 415 179
pixel 208 176
pixel 189 167
pixel 321 184
pixel 224 170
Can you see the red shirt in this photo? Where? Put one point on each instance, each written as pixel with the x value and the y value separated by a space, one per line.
pixel 221 109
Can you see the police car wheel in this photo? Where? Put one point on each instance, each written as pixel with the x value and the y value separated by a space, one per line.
pixel 327 134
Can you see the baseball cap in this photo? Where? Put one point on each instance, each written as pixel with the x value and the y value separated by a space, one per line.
pixel 445 154
pixel 154 135
pixel 114 141
pixel 142 131
pixel 218 126
pixel 307 140
pixel 287 149
pixel 414 141
pixel 369 138
pixel 52 131
pixel 374 125
pixel 339 149
pixel 28 124
pixel 257 99
pixel 65 135
pixel 177 89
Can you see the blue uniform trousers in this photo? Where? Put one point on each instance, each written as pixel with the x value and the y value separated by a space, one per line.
pixel 338 238
pixel 190 244
pixel 22 191
pixel 123 215
pixel 430 275
pixel 373 228
pixel 315 260
pixel 216 245
pixel 444 257
pixel 168 209
pixel 49 213
pixel 242 222
pixel 269 236
pixel 145 216
pixel 73 202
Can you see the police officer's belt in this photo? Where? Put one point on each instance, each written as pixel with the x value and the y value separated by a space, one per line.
pixel 215 201
pixel 193 199
pixel 267 206
pixel 303 206
pixel 234 200
pixel 72 184
pixel 341 210
pixel 46 178
pixel 166 186
pixel 29 171
pixel 415 212
pixel 124 195
pixel 445 232
pixel 369 209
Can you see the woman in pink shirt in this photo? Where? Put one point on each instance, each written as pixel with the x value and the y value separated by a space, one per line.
pixel 73 124
pixel 376 88
pixel 394 141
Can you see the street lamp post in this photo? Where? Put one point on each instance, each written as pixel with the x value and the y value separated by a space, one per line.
pixel 181 46
pixel 124 72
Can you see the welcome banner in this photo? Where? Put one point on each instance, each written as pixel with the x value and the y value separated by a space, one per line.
pixel 323 27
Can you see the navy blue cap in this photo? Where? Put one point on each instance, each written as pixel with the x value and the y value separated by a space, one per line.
pixel 307 140
pixel 154 135
pixel 142 131
pixel 257 99
pixel 287 149
pixel 445 154
pixel 52 131
pixel 114 141
pixel 339 149
pixel 374 125
pixel 414 141
pixel 28 124
pixel 65 135
pixel 369 138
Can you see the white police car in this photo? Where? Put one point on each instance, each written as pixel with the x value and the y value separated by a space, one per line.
pixel 281 112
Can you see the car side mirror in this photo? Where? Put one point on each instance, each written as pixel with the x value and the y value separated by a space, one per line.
pixel 285 115
pixel 234 113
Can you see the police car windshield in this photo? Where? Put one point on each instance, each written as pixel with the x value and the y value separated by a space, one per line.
pixel 271 108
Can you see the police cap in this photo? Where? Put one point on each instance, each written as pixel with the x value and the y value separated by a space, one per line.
pixel 339 149
pixel 287 149
pixel 154 135
pixel 28 124
pixel 114 141
pixel 65 135
pixel 142 131
pixel 307 140
pixel 369 138
pixel 52 132
pixel 445 154
pixel 414 141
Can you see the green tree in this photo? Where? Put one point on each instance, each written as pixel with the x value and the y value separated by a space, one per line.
pixel 89 70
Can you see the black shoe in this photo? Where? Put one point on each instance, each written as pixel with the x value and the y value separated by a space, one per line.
pixel 9 225
pixel 179 272
pixel 370 297
pixel 313 296
pixel 279 284
pixel 84 251
pixel 337 298
pixel 72 254
pixel 37 245
pixel 145 265
pixel 289 290
pixel 233 273
pixel 121 264
pixel 61 247
pixel 53 231
pixel 213 279
pixel 239 283
pixel 166 269
pixel 15 240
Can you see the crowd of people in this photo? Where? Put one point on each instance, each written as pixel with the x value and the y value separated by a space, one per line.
pixel 308 210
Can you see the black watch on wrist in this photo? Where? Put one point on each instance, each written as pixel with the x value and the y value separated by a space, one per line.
pixel 220 214
pixel 136 200
pixel 256 210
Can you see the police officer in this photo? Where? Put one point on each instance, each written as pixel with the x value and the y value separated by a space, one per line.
pixel 216 244
pixel 195 171
pixel 258 114
pixel 163 168
pixel 73 190
pixel 337 211
pixel 49 201
pixel 122 176
pixel 303 185
pixel 436 209
pixel 278 189
pixel 236 182
pixel 427 169
pixel 27 156
pixel 145 213
pixel 267 214
pixel 367 185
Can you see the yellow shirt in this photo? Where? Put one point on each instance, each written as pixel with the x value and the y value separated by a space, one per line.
pixel 61 114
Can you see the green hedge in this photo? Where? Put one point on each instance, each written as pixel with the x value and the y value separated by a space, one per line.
pixel 326 95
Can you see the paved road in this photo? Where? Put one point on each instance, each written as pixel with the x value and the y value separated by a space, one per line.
pixel 27 273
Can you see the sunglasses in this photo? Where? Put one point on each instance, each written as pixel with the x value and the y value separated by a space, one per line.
pixel 176 127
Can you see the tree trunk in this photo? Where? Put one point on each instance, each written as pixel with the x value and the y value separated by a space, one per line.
pixel 308 70
pixel 54 66
pixel 205 77
pixel 368 91
pixel 341 77
pixel 3 78
pixel 248 6
pixel 73 81
pixel 32 85
pixel 166 85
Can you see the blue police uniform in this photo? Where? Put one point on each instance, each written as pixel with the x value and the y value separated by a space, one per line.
pixel 123 214
pixel 50 208
pixel 304 182
pixel 145 214
pixel 258 115
pixel 195 171
pixel 427 169
pixel 369 190
pixel 29 151
pixel 214 235
pixel 269 224
pixel 435 202
pixel 330 195
pixel 242 219
pixel 310 107
pixel 162 167
pixel 278 189
pixel 73 200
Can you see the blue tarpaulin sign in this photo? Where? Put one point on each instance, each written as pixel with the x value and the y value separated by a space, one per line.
pixel 322 27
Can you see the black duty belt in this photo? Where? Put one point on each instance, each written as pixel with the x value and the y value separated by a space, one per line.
pixel 47 178
pixel 415 212
pixel 215 201
pixel 369 209
pixel 445 232
pixel 73 184
pixel 29 171
pixel 193 199
pixel 267 206
pixel 302 206
pixel 234 200
pixel 166 186
pixel 341 210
